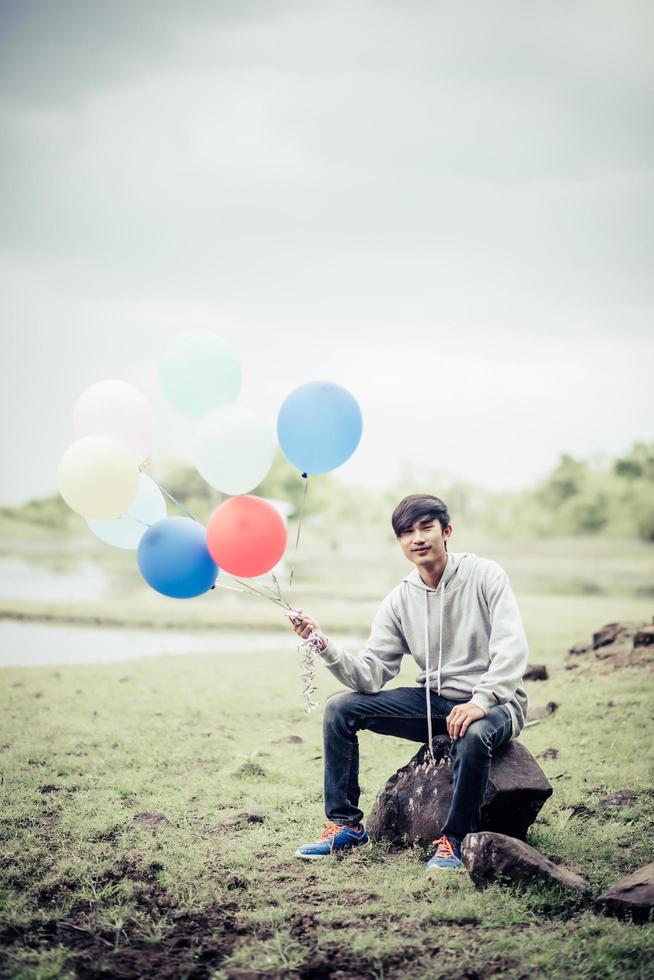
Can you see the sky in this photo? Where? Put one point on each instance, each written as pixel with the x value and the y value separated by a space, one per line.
pixel 445 208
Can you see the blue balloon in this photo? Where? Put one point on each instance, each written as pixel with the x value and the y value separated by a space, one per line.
pixel 174 559
pixel 319 426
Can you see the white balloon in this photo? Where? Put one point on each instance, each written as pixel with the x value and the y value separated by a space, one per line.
pixel 126 531
pixel 233 449
pixel 119 410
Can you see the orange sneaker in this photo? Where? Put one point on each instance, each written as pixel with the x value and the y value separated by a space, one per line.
pixel 448 855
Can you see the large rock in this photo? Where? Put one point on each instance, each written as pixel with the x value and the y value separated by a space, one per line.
pixel 631 897
pixel 416 799
pixel 611 632
pixel 616 646
pixel 644 637
pixel 489 857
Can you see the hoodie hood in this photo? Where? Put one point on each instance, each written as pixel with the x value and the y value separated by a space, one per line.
pixel 455 573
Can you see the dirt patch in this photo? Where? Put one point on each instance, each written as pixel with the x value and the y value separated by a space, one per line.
pixel 624 797
pixel 191 946
pixel 152 821
pixel 335 963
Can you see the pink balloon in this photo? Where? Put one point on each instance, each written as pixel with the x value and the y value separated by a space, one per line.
pixel 246 536
pixel 119 410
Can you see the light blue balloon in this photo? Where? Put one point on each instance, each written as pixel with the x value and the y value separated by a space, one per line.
pixel 198 372
pixel 174 559
pixel 319 426
pixel 127 531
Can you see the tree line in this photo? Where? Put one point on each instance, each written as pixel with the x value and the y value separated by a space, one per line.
pixel 614 497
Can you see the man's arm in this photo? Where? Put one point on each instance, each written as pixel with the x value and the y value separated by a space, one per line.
pixel 507 645
pixel 377 663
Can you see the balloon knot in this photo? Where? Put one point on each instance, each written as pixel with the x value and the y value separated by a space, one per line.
pixel 304 476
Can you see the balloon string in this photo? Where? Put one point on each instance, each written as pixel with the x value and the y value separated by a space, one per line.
pixel 299 527
pixel 270 594
pixel 170 497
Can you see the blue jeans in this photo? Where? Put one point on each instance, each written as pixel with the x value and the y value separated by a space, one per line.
pixel 403 712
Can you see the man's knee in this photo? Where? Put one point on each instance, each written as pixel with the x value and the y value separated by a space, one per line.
pixel 339 705
pixel 474 742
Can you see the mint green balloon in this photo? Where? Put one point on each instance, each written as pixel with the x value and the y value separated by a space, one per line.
pixel 199 372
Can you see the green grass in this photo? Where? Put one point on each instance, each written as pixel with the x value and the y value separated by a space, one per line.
pixel 88 891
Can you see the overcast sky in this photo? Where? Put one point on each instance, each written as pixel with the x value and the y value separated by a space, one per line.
pixel 446 208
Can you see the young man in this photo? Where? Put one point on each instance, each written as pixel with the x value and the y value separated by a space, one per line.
pixel 457 616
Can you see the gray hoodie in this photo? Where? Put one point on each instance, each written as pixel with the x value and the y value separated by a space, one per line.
pixel 466 636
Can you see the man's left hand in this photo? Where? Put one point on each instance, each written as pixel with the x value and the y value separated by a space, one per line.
pixel 460 717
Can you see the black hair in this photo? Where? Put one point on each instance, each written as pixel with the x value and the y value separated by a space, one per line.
pixel 417 507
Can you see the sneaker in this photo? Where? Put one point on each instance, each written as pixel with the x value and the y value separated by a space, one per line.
pixel 334 838
pixel 448 855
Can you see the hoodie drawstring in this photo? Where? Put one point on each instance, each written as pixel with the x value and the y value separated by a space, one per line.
pixel 440 661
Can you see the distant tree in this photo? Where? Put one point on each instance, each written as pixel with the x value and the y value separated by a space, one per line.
pixel 567 480
pixel 638 464
pixel 48 512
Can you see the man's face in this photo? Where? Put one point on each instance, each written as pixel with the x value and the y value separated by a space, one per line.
pixel 424 543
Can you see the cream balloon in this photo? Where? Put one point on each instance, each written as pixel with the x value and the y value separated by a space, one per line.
pixel 233 449
pixel 119 410
pixel 98 477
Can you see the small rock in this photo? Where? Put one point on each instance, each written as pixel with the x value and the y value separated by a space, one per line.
pixel 548 754
pixel 129 801
pixel 245 816
pixel 632 896
pixel 538 713
pixel 535 672
pixel 295 739
pixel 488 856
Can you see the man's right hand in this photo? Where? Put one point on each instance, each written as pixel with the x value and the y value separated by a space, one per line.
pixel 304 624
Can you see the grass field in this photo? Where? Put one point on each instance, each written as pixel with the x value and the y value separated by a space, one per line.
pixel 94 887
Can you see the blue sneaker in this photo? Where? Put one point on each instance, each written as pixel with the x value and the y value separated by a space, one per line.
pixel 448 855
pixel 334 838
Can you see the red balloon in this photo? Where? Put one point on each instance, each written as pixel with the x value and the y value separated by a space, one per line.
pixel 246 536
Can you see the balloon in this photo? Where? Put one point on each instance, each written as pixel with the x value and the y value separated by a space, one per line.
pixel 319 426
pixel 125 532
pixel 116 409
pixel 246 536
pixel 233 449
pixel 173 558
pixel 97 477
pixel 198 372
